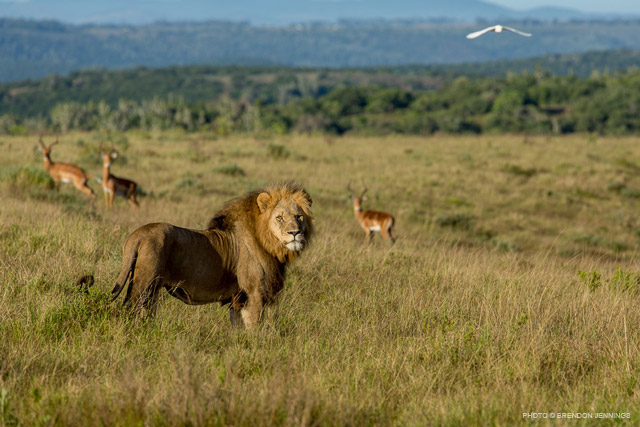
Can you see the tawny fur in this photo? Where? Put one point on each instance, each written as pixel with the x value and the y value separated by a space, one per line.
pixel 371 221
pixel 240 259
pixel 65 172
pixel 113 185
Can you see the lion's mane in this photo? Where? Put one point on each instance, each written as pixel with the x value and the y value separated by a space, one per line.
pixel 245 210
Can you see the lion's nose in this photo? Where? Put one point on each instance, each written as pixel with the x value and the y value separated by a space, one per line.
pixel 294 233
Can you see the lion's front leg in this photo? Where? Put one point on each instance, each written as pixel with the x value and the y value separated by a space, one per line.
pixel 235 317
pixel 252 310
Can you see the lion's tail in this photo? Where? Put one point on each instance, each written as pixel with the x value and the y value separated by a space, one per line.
pixel 127 271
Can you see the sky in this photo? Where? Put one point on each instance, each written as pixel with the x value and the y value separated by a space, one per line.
pixel 140 11
pixel 611 6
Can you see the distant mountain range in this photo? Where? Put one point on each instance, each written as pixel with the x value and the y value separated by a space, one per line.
pixel 267 12
pixel 33 49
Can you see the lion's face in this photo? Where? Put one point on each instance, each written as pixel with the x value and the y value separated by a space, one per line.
pixel 289 224
pixel 287 219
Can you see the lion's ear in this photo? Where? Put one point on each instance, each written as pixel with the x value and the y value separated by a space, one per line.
pixel 263 201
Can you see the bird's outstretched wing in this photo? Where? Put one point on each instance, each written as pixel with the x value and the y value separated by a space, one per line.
pixel 517 32
pixel 481 32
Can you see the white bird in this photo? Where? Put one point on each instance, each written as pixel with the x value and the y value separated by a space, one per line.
pixel 497 29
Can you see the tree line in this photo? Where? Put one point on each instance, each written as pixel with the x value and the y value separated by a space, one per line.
pixel 535 103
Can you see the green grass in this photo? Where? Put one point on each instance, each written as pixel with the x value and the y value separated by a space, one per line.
pixel 502 295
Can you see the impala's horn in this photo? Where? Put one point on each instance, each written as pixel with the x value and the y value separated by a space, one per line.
pixel 365 189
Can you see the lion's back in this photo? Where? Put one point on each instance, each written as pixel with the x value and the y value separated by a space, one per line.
pixel 153 233
pixel 176 253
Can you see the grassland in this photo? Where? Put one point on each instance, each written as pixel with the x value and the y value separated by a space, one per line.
pixel 514 285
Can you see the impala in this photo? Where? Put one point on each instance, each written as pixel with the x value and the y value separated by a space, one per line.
pixel 112 185
pixel 65 172
pixel 371 221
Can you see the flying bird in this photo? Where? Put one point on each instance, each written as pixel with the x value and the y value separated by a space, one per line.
pixel 497 29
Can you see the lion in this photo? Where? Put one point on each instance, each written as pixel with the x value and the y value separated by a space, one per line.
pixel 240 259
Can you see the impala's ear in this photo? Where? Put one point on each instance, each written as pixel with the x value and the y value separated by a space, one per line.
pixel 263 201
pixel 364 198
pixel 114 154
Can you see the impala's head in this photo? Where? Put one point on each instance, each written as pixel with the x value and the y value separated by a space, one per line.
pixel 285 212
pixel 108 156
pixel 46 151
pixel 356 200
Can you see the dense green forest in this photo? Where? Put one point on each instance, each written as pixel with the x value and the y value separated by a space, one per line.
pixel 277 101
pixel 194 84
pixel 275 84
pixel 35 49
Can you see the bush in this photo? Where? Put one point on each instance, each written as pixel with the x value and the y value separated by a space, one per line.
pixel 28 178
pixel 276 151
pixel 519 170
pixel 231 170
pixel 461 221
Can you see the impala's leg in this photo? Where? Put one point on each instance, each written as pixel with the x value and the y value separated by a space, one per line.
pixel 112 195
pixel 390 230
pixel 385 231
pixel 368 236
pixel 133 202
pixel 252 311
pixel 131 196
pixel 82 186
pixel 106 200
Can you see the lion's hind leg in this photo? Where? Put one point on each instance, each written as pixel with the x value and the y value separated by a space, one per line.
pixel 142 293
pixel 143 299
pixel 128 270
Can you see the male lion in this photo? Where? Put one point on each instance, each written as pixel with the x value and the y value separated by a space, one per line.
pixel 240 259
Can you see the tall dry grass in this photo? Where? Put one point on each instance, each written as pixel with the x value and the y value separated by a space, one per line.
pixel 514 286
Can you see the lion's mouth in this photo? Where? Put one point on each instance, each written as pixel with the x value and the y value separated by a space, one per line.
pixel 295 245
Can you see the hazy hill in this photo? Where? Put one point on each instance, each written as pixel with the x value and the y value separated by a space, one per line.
pixel 33 49
pixel 272 12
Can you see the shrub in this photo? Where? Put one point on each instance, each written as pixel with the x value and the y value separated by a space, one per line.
pixel 592 279
pixel 276 151
pixel 616 186
pixel 231 170
pixel 519 170
pixel 28 178
pixel 461 221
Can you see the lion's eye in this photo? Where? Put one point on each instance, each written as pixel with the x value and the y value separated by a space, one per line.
pixel 300 218
pixel 279 218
